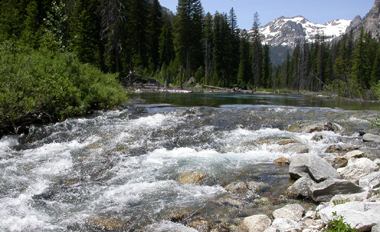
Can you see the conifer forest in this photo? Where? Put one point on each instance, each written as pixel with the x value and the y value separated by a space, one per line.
pixel 70 52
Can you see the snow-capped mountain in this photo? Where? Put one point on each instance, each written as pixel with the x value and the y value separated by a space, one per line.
pixel 287 31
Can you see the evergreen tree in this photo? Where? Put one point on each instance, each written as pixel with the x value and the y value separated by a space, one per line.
pixel 208 46
pixel 245 72
pixel 154 32
pixel 85 31
pixel 266 69
pixel 256 52
pixel 232 21
pixel 188 34
pixel 112 19
pixel 136 42
pixel 166 47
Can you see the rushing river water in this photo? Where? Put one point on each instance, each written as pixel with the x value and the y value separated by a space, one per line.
pixel 119 170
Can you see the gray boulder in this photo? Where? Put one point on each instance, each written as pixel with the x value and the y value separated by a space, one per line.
pixel 371 138
pixel 324 191
pixel 311 166
pixel 256 223
pixel 376 228
pixel 370 181
pixel 336 160
pixel 357 168
pixel 354 154
pixel 359 215
pixel 300 188
pixel 256 186
pixel 292 211
pixel 286 224
pixel 271 229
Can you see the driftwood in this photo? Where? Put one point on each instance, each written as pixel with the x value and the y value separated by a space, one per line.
pixel 214 87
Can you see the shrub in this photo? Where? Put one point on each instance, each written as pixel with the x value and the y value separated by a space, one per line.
pixel 50 84
pixel 337 224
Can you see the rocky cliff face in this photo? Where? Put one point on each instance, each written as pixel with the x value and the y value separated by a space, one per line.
pixel 288 31
pixel 370 23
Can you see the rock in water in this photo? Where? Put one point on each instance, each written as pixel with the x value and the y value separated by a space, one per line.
pixel 311 166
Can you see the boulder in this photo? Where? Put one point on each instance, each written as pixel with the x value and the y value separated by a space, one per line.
pixel 300 188
pixel 333 148
pixel 292 211
pixel 335 160
pixel 256 223
pixel 313 225
pixel 318 137
pixel 343 198
pixel 286 224
pixel 324 191
pixel 237 187
pixel 339 148
pixel 376 228
pixel 359 215
pixel 307 128
pixel 282 161
pixel 271 229
pixel 325 126
pixel 256 186
pixel 311 166
pixel 354 154
pixel 357 168
pixel 191 177
pixel 371 138
pixel 297 148
pixel 370 181
pixel 200 226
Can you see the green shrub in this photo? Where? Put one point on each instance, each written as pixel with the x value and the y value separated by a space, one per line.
pixel 337 224
pixel 51 83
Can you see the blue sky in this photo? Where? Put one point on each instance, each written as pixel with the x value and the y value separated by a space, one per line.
pixel 317 11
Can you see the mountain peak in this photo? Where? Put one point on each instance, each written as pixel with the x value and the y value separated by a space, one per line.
pixel 287 31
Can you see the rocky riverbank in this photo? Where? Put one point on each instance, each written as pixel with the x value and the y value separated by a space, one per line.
pixel 343 182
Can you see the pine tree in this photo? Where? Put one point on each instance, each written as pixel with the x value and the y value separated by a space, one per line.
pixel 155 21
pixel 188 34
pixel 85 31
pixel 112 19
pixel 232 21
pixel 208 46
pixel 256 52
pixel 266 69
pixel 136 42
pixel 166 47
pixel 244 73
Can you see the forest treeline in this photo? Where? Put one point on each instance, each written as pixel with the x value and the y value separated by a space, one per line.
pixel 119 36
pixel 55 54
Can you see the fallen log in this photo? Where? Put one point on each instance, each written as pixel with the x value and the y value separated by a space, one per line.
pixel 214 87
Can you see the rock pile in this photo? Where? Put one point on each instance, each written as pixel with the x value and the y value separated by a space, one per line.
pixel 346 185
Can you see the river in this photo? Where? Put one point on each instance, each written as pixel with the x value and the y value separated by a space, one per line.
pixel 118 170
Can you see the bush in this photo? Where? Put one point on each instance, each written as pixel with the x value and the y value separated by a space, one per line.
pixel 338 225
pixel 51 85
